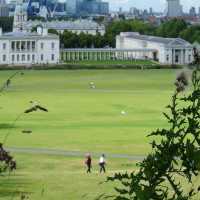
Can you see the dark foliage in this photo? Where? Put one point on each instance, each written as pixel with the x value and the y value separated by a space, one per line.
pixel 7 163
pixel 6 23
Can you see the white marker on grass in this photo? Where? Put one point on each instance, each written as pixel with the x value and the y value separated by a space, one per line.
pixel 123 112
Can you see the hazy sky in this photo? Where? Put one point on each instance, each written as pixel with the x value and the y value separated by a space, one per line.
pixel 158 5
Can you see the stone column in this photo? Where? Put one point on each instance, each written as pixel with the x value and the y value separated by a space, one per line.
pixel 95 55
pixel 174 56
pixel 31 46
pixel 20 43
pixel 182 57
pixel 83 55
pixel 15 46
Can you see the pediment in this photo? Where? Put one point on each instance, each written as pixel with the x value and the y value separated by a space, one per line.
pixel 178 42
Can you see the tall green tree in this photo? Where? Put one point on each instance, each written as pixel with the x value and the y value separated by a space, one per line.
pixel 171 28
pixel 191 34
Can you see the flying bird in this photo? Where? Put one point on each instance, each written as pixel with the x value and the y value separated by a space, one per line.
pixel 35 106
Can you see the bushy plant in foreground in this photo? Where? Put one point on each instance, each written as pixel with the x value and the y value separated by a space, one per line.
pixel 169 171
pixel 7 163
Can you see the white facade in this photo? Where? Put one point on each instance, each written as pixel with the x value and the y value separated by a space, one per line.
pixel 174 8
pixel 22 47
pixel 28 48
pixel 164 50
pixel 4 10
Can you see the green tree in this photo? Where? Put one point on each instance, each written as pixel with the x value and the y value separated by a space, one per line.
pixel 6 23
pixel 171 28
pixel 116 27
pixel 191 34
pixel 53 31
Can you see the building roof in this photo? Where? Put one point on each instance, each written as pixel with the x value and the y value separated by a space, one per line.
pixel 27 35
pixel 162 40
pixel 67 25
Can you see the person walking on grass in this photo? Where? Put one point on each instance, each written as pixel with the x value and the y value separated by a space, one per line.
pixel 88 163
pixel 102 163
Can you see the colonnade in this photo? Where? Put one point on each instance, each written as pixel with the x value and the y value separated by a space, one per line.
pixel 23 45
pixel 105 54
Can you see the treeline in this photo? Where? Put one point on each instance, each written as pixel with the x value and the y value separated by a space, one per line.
pixel 82 40
pixel 6 23
pixel 172 28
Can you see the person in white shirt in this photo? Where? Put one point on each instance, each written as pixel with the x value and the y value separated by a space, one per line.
pixel 102 163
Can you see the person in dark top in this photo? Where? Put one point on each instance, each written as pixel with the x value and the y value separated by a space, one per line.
pixel 88 163
pixel 8 82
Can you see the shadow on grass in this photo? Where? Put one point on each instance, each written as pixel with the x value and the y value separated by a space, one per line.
pixel 6 126
pixel 12 186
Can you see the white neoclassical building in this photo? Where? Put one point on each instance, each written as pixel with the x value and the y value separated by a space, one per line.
pixel 164 50
pixel 23 47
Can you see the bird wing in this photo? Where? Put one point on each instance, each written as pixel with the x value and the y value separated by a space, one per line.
pixel 30 110
pixel 41 108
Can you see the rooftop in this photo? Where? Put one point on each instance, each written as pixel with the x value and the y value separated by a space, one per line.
pixel 25 35
pixel 166 41
pixel 75 25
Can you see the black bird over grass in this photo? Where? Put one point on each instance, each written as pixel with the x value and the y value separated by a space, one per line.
pixel 35 107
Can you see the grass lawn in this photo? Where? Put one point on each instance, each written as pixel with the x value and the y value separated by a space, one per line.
pixel 112 62
pixel 82 119
pixel 62 178
pixel 79 119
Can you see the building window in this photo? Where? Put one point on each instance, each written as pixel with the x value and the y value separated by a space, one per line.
pixel 42 45
pixel 23 57
pixel 33 57
pixel 23 45
pixel 13 45
pixel 42 57
pixel 52 57
pixel 17 57
pixel 28 57
pixel 18 45
pixel 13 58
pixel 52 45
pixel 167 58
pixel 4 46
pixel 4 58
pixel 189 58
pixel 33 45
pixel 176 58
pixel 28 45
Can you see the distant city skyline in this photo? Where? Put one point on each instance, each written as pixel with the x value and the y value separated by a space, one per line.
pixel 157 5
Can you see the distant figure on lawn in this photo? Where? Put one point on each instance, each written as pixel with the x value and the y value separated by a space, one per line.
pixel 88 162
pixel 102 163
pixel 8 82
pixel 92 85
